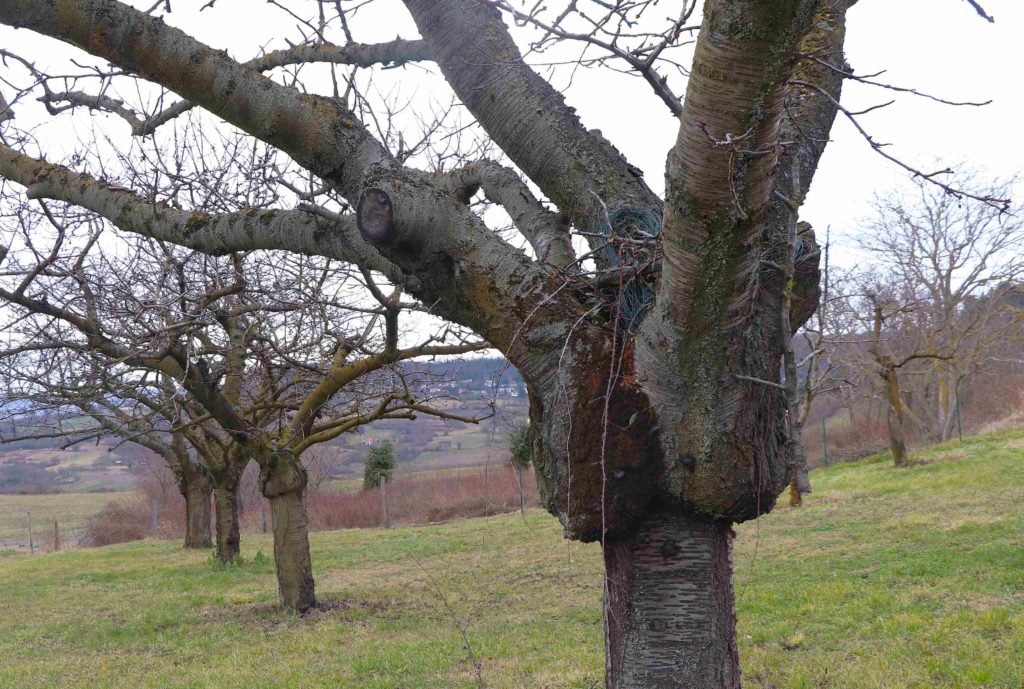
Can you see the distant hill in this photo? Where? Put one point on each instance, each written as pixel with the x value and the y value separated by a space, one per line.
pixel 466 386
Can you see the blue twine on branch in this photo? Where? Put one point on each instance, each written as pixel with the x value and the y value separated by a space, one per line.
pixel 634 223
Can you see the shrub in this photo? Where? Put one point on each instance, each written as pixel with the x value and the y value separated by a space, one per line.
pixel 380 464
pixel 119 521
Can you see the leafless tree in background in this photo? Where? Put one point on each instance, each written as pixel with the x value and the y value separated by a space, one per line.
pixel 956 262
pixel 651 357
pixel 269 356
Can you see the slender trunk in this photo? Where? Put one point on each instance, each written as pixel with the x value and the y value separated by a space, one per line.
pixel 800 479
pixel 670 617
pixel 197 512
pixel 283 482
pixel 225 498
pixel 897 441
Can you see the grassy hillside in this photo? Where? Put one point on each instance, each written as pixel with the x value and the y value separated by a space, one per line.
pixel 887 578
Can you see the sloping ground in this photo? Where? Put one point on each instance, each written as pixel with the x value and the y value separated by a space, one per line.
pixel 887 578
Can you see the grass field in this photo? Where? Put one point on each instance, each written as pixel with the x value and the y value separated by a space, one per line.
pixel 71 510
pixel 886 579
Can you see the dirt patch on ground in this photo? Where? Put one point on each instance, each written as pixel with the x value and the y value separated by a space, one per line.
pixel 268 617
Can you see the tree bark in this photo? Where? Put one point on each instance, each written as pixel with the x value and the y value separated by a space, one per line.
pixel 897 439
pixel 197 494
pixel 800 479
pixel 670 617
pixel 228 539
pixel 283 481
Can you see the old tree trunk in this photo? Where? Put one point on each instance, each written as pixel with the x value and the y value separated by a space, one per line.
pixel 197 492
pixel 283 482
pixel 653 432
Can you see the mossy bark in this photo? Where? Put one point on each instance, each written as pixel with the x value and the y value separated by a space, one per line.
pixel 896 418
pixel 283 481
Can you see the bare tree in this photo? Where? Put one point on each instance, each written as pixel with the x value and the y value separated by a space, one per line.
pixel 51 391
pixel 646 355
pixel 261 353
pixel 954 261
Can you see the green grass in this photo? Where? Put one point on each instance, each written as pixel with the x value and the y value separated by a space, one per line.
pixel 887 578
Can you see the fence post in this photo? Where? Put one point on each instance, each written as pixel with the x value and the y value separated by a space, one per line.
pixel 384 501
pixel 31 546
pixel 959 427
pixel 824 440
pixel 56 537
pixel 153 514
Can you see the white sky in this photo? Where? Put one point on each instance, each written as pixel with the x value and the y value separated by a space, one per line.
pixel 937 46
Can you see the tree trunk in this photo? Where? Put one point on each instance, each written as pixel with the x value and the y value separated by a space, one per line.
pixel 283 482
pixel 897 440
pixel 197 513
pixel 670 618
pixel 228 540
pixel 800 479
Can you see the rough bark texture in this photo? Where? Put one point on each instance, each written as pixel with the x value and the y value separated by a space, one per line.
pixel 283 481
pixel 197 513
pixel 897 438
pixel 225 497
pixel 670 615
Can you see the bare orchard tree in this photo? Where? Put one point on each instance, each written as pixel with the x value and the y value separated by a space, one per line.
pixel 891 348
pixel 810 375
pixel 651 358
pixel 53 391
pixel 265 356
pixel 957 260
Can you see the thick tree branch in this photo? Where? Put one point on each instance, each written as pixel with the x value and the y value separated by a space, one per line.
pixel 393 53
pixel 527 118
pixel 300 231
pixel 547 232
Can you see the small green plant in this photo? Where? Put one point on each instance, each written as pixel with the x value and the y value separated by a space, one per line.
pixel 380 464
pixel 216 563
pixel 520 452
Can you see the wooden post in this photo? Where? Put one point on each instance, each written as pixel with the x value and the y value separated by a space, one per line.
pixel 56 537
pixel 153 514
pixel 824 438
pixel 263 513
pixel 384 501
pixel 31 546
pixel 959 426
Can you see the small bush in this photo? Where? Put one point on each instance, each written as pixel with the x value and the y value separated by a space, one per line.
pixel 380 464
pixel 119 521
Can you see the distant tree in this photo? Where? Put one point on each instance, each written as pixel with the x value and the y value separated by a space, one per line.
pixel 380 464
pixel 520 454
pixel 952 264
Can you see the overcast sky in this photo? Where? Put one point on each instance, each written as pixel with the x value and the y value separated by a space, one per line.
pixel 938 46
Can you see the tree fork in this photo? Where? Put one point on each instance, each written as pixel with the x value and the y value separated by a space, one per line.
pixel 670 615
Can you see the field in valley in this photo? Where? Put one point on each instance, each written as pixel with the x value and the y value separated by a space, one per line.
pixel 885 579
